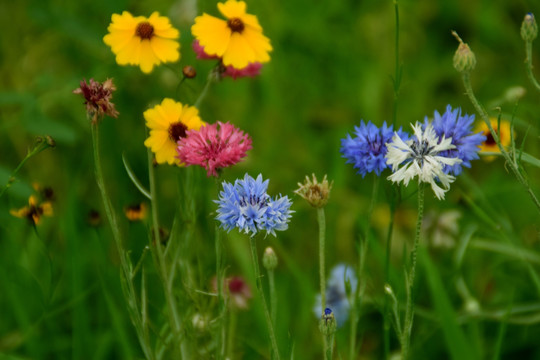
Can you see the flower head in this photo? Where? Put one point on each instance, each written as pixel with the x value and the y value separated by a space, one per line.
pixel 342 280
pixel 214 147
pixel 238 40
pixel 315 193
pixel 467 144
pixel 489 144
pixel 367 150
pixel 247 206
pixel 97 98
pixel 34 211
pixel 421 157
pixel 168 123
pixel 464 58
pixel 238 289
pixel 136 212
pixel 142 41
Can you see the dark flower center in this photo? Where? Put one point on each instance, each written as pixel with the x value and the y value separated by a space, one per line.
pixel 145 30
pixel 236 285
pixel 236 25
pixel 421 149
pixel 489 138
pixel 177 131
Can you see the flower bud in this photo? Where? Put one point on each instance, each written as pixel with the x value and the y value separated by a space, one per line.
pixel 328 324
pixel 189 72
pixel 529 29
pixel 270 259
pixel 315 193
pixel 464 59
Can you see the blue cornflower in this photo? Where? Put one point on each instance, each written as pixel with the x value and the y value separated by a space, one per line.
pixel 336 294
pixel 467 144
pixel 367 150
pixel 247 206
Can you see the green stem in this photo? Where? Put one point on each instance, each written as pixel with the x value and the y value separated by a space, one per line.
pixel 231 333
pixel 212 77
pixel 322 273
pixel 255 259
pixel 509 161
pixel 409 309
pixel 397 74
pixel 529 65
pixel 221 338
pixel 386 307
pixel 273 297
pixel 125 274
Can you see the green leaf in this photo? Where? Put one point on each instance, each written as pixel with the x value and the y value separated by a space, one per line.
pixel 135 180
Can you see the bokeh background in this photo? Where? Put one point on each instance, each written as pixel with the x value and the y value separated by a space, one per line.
pixel 332 65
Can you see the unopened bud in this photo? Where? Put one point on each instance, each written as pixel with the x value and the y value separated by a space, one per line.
pixel 464 59
pixel 50 141
pixel 315 193
pixel 270 259
pixel 529 29
pixel 328 324
pixel 189 72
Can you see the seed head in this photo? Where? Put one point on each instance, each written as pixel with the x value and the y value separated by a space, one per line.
pixel 98 98
pixel 315 193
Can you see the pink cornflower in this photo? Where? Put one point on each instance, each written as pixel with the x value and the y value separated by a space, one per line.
pixel 251 70
pixel 214 147
pixel 238 290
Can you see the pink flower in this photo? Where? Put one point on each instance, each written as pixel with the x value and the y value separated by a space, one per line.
pixel 214 147
pixel 251 70
pixel 238 290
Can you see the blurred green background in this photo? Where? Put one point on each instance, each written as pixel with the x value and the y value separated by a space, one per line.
pixel 331 66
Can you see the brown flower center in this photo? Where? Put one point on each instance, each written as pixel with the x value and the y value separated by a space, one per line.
pixel 177 131
pixel 236 25
pixel 489 138
pixel 145 30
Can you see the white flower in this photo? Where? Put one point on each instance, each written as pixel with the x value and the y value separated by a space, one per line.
pixel 419 157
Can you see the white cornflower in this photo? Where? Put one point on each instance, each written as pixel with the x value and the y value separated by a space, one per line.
pixel 419 157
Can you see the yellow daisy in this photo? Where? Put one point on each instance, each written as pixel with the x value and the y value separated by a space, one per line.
pixel 142 41
pixel 168 122
pixel 490 145
pixel 238 41
pixel 34 211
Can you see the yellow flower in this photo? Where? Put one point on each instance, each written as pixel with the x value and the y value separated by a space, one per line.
pixel 490 145
pixel 168 123
pixel 34 211
pixel 142 41
pixel 238 41
pixel 135 212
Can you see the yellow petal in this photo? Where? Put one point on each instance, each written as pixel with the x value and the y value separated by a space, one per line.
pixel 147 59
pixel 259 43
pixel 123 22
pixel 118 40
pixel 47 208
pixel 163 27
pixel 213 34
pixel 165 49
pixel 251 21
pixel 239 53
pixel 130 53
pixel 156 140
pixel 232 8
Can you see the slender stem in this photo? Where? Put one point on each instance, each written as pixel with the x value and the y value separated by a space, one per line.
pixel 221 341
pixel 233 317
pixel 273 297
pixel 255 259
pixel 409 309
pixel 322 273
pixel 386 307
pixel 397 74
pixel 513 165
pixel 529 65
pixel 209 80
pixel 363 248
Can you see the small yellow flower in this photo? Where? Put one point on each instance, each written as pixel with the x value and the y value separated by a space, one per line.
pixel 142 41
pixel 135 212
pixel 490 145
pixel 238 41
pixel 168 122
pixel 34 211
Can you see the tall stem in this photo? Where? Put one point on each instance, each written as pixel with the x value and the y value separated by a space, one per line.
pixel 322 272
pixel 386 307
pixel 273 296
pixel 255 260
pixel 529 65
pixel 409 309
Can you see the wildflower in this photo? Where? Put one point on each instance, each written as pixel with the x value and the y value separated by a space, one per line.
pixel 270 260
pixel 93 218
pixel 136 212
pixel 342 281
pixel 467 144
pixel 168 123
pixel 247 206
pixel 98 99
pixel 237 41
pixel 489 144
pixel 238 290
pixel 34 211
pixel 367 150
pixel 214 147
pixel 328 325
pixel 529 29
pixel 441 228
pixel 142 41
pixel 421 157
pixel 464 58
pixel 315 193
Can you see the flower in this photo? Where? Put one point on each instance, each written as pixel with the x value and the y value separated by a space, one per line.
pixel 237 41
pixel 247 206
pixel 367 150
pixel 452 125
pixel 34 211
pixel 421 157
pixel 136 212
pixel 97 98
pixel 168 123
pixel 315 193
pixel 489 145
pixel 142 41
pixel 251 70
pixel 214 147
pixel 336 293
pixel 238 290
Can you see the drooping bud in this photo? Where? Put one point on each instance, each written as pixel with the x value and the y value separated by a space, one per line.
pixel 529 29
pixel 189 72
pixel 270 259
pixel 315 193
pixel 464 58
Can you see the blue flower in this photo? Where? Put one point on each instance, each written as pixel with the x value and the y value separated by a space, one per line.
pixel 467 144
pixel 247 206
pixel 336 294
pixel 367 150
